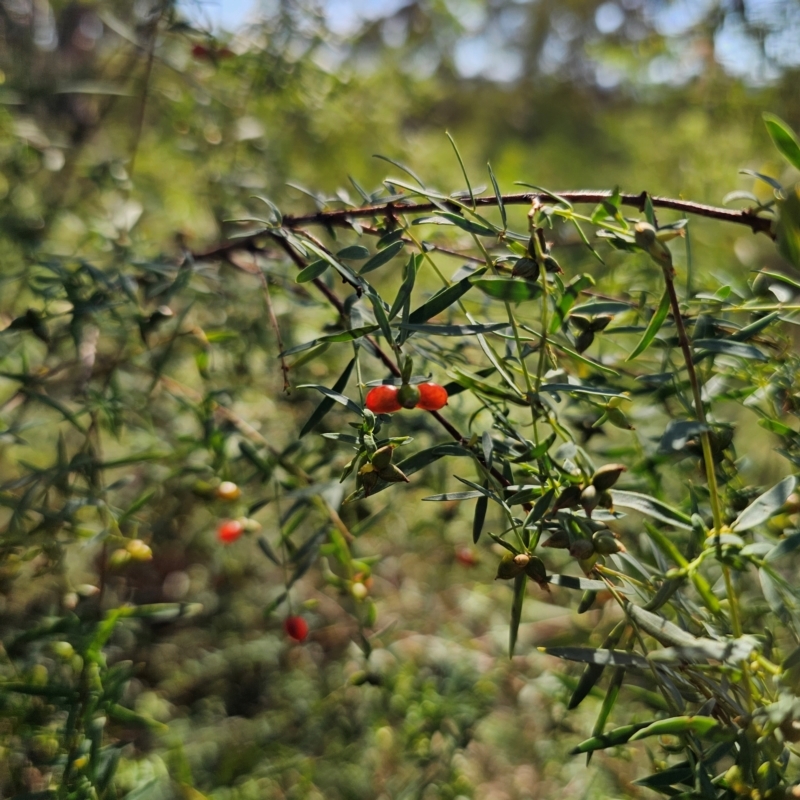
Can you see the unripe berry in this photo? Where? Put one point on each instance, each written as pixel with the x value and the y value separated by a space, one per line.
pixel 408 396
pixel 359 591
pixel 383 400
pixel 432 397
pixel 228 491
pixel 229 531
pixel 139 550
pixel 296 628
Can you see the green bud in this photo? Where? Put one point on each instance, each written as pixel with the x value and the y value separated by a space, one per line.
pixel 606 500
pixel 589 499
pixel 383 457
pixel 408 368
pixel 559 539
pixel 646 237
pixel 408 396
pixel 581 549
pixel 606 544
pixel 525 268
pixel 508 567
pixel 551 265
pixel 607 476
pixel 569 498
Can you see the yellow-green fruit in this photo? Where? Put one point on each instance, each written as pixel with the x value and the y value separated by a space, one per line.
pixel 408 396
pixel 607 476
pixel 359 591
pixel 605 543
pixel 119 558
pixel 139 551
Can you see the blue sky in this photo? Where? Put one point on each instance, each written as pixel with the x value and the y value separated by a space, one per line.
pixel 220 13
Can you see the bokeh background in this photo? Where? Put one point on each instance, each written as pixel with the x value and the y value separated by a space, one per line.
pixel 130 132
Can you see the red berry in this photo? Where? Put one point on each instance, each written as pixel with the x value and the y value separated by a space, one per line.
pixel 200 52
pixel 383 400
pixel 296 628
pixel 432 397
pixel 229 531
pixel 466 557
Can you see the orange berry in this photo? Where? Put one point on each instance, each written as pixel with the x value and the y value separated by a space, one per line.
pixel 229 491
pixel 229 531
pixel 432 396
pixel 382 400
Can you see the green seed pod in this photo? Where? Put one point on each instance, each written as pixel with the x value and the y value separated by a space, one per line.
pixel 569 498
pixel 368 481
pixel 607 476
pixel 508 567
pixel 536 571
pixel 559 539
pixel 383 457
pixel 600 322
pixel 408 396
pixel 584 341
pixel 589 499
pixel 393 474
pixel 606 544
pixel 606 500
pixel 551 265
pixel 525 268
pixel 581 549
pixel 581 323
pixel 617 418
pixel 646 237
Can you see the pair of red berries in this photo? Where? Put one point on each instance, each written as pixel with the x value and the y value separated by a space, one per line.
pixel 388 399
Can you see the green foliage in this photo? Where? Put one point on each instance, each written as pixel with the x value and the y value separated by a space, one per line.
pixel 177 352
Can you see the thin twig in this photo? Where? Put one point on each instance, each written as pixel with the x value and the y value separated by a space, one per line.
pixel 274 321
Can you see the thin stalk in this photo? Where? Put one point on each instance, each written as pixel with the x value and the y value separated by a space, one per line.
pixel 708 459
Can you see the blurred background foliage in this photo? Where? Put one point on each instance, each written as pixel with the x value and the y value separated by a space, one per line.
pixel 129 133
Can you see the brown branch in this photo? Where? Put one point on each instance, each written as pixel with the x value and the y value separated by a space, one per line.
pixel 748 216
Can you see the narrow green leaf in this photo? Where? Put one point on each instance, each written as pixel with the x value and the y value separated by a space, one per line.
pixel 765 506
pixel 455 330
pixel 355 252
pixel 313 270
pixel 331 396
pixel 479 229
pixel 441 301
pixel 342 336
pixel 539 509
pixel 784 138
pixel 382 257
pixel 463 168
pixel 520 583
pixel 447 496
pixel 728 347
pixel 651 507
pixel 511 290
pixel 613 738
pixel 702 726
pixel 653 327
pixel 593 672
pixel 498 194
pixel 481 508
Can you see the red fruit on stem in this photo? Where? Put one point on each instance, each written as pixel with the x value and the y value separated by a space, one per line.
pixel 432 397
pixel 229 531
pixel 466 557
pixel 296 628
pixel 200 52
pixel 383 400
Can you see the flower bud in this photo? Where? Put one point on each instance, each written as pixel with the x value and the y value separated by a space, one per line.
pixel 581 549
pixel 359 591
pixel 522 560
pixel 536 571
pixel 119 558
pixel 569 498
pixel 228 491
pixel 559 539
